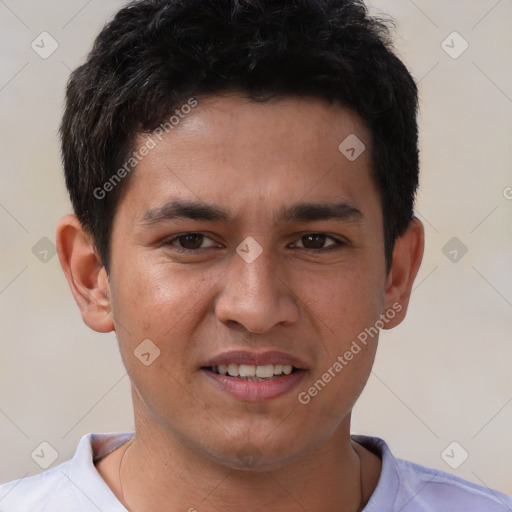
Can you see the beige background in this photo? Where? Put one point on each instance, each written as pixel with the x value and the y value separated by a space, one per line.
pixel 445 375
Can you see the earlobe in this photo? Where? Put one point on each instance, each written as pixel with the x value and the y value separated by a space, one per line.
pixel 407 256
pixel 86 276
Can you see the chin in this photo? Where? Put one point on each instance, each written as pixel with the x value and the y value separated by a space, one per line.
pixel 256 456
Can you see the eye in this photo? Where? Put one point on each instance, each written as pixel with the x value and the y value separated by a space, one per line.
pixel 190 242
pixel 316 241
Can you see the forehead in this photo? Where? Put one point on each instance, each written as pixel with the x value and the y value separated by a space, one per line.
pixel 255 156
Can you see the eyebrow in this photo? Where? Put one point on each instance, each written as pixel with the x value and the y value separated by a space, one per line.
pixel 307 212
pixel 301 212
pixel 176 209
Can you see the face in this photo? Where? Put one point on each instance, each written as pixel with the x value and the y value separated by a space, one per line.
pixel 247 242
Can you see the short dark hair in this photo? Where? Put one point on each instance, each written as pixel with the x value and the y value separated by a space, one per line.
pixel 157 54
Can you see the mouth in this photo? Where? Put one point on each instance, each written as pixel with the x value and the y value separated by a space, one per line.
pixel 253 373
pixel 254 377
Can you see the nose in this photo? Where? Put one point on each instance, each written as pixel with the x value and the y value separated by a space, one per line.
pixel 256 296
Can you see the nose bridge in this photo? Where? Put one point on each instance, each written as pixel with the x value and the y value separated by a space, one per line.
pixel 254 296
pixel 256 277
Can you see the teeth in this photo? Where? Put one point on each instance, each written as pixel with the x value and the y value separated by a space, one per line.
pixel 233 370
pixel 247 370
pixel 266 371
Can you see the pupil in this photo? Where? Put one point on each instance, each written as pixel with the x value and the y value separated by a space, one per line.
pixel 192 241
pixel 314 240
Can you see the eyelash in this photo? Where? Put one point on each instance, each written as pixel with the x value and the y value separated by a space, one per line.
pixel 336 246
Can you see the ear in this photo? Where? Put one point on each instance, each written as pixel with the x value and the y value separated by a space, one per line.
pixel 407 256
pixel 86 276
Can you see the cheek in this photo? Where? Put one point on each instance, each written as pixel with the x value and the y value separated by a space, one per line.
pixel 156 310
pixel 157 303
pixel 342 303
pixel 346 309
pixel 158 300
pixel 343 315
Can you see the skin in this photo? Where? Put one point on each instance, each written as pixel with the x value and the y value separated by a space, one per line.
pixel 252 159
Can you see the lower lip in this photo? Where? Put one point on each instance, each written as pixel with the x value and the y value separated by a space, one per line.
pixel 256 391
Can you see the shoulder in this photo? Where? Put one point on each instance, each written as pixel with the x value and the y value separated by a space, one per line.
pixel 38 493
pixel 408 487
pixel 437 490
pixel 72 485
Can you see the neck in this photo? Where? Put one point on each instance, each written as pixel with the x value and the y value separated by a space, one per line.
pixel 159 473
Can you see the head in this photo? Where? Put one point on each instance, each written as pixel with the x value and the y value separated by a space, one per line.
pixel 230 120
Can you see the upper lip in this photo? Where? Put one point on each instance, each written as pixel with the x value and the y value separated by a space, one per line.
pixel 256 358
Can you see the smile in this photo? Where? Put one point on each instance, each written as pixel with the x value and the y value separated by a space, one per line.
pixel 251 372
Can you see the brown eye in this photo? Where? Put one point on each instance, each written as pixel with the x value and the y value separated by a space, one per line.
pixel 319 242
pixel 190 240
pixel 190 243
pixel 314 240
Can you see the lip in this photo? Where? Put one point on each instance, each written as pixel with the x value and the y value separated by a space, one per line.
pixel 256 358
pixel 255 391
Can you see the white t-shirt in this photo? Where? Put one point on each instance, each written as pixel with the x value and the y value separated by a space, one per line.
pixel 76 485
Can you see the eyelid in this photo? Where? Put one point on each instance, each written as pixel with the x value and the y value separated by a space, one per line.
pixel 170 241
pixel 337 241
